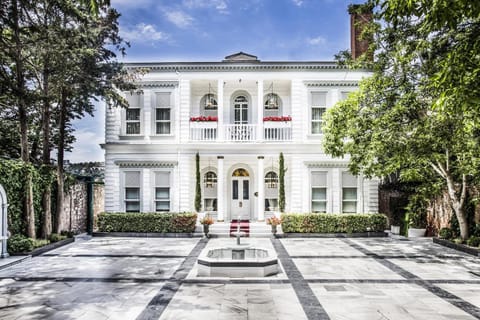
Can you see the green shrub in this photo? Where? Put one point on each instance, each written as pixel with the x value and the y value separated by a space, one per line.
pixel 473 241
pixel 333 223
pixel 445 233
pixel 147 222
pixel 55 237
pixel 20 243
pixel 37 243
pixel 67 234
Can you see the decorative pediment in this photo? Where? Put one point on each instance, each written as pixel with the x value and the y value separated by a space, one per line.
pixel 145 164
pixel 241 57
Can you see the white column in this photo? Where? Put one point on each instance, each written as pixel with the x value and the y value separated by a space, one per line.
pixel 148 111
pixel 220 112
pixel 220 186
pixel 261 189
pixel 260 110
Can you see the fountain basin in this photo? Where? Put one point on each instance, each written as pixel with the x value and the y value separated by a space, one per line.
pixel 237 262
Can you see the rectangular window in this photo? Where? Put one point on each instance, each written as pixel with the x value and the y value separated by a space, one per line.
pixel 319 106
pixel 132 191
pixel 162 191
pixel 163 113
pixel 349 193
pixel 132 121
pixel 245 190
pixel 344 95
pixel 319 191
pixel 235 189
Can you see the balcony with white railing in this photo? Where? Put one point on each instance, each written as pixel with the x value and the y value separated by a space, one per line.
pixel 210 131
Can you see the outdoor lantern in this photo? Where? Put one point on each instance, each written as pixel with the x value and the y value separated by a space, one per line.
pixel 210 102
pixel 272 99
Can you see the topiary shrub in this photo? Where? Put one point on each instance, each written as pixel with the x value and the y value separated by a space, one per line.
pixel 19 243
pixel 333 223
pixel 446 233
pixel 473 241
pixel 147 222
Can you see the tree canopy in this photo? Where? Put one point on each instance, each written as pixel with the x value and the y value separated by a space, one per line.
pixel 418 115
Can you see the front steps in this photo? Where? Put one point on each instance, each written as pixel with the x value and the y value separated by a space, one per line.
pixel 222 230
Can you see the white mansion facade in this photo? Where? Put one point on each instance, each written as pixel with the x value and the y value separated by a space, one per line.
pixel 238 115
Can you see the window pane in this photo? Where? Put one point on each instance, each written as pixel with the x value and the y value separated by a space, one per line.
pixel 162 179
pixel 344 95
pixel 162 193
pixel 271 204
pixel 349 180
pixel 163 114
pixel 133 127
pixel 319 206
pixel 237 116
pixel 317 113
pixel 162 206
pixel 349 206
pixel 133 114
pixel 163 127
pixel 163 99
pixel 132 206
pixel 319 193
pixel 319 179
pixel 244 116
pixel 316 127
pixel 235 189
pixel 245 190
pixel 319 99
pixel 349 193
pixel 132 193
pixel 132 179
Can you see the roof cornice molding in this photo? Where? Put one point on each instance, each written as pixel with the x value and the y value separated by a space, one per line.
pixel 326 164
pixel 145 164
pixel 230 66
pixel 157 84
pixel 332 83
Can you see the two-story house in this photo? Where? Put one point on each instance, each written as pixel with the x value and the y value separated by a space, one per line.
pixel 238 115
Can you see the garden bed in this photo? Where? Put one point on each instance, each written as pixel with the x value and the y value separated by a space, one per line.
pixel 46 248
pixel 460 247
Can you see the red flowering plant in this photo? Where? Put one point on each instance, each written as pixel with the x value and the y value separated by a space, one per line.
pixel 203 119
pixel 278 118
pixel 274 221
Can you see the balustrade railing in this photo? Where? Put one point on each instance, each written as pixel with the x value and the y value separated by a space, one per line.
pixel 209 131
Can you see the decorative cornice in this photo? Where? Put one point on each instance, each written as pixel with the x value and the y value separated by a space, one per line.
pixel 332 83
pixel 145 164
pixel 326 164
pixel 229 66
pixel 157 84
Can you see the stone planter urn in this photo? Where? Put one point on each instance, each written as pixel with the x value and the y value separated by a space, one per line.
pixel 395 229
pixel 206 229
pixel 416 232
pixel 274 229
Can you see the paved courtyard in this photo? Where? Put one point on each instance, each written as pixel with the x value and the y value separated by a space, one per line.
pixel 140 278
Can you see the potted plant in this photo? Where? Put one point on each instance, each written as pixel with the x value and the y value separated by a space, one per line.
pixel 274 222
pixel 417 216
pixel 206 222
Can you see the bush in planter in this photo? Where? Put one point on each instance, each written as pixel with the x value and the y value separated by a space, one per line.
pixel 20 243
pixel 446 233
pixel 333 223
pixel 473 241
pixel 147 222
pixel 417 211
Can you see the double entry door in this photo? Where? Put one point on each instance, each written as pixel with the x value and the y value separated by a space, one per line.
pixel 240 198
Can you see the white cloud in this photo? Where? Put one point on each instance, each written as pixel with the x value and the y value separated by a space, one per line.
pixel 179 18
pixel 220 5
pixel 298 3
pixel 144 33
pixel 317 41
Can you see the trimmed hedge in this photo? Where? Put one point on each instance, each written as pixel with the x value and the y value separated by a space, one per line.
pixel 147 222
pixel 333 223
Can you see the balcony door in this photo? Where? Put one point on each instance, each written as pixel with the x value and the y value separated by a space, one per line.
pixel 240 110
pixel 240 199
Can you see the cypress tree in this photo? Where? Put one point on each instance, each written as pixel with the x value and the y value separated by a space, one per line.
pixel 281 178
pixel 198 190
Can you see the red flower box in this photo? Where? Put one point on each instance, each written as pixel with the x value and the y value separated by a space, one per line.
pixel 203 119
pixel 278 118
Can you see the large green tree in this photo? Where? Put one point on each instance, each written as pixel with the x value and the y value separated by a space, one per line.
pixel 418 115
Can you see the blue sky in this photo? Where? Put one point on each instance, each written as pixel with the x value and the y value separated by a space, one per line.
pixel 209 30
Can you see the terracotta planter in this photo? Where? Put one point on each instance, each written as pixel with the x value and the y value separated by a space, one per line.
pixel 416 232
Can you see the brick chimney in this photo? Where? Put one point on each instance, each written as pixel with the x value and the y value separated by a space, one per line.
pixel 360 16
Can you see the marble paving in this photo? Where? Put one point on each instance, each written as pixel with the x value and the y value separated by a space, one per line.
pixel 321 278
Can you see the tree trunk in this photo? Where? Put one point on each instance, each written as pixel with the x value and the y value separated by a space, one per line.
pixel 23 120
pixel 458 204
pixel 61 151
pixel 47 194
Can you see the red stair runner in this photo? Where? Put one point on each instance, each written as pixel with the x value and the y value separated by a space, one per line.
pixel 244 226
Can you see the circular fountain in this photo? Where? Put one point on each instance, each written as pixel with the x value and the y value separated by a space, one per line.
pixel 238 261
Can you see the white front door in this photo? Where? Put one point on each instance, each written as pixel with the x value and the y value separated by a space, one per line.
pixel 240 198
